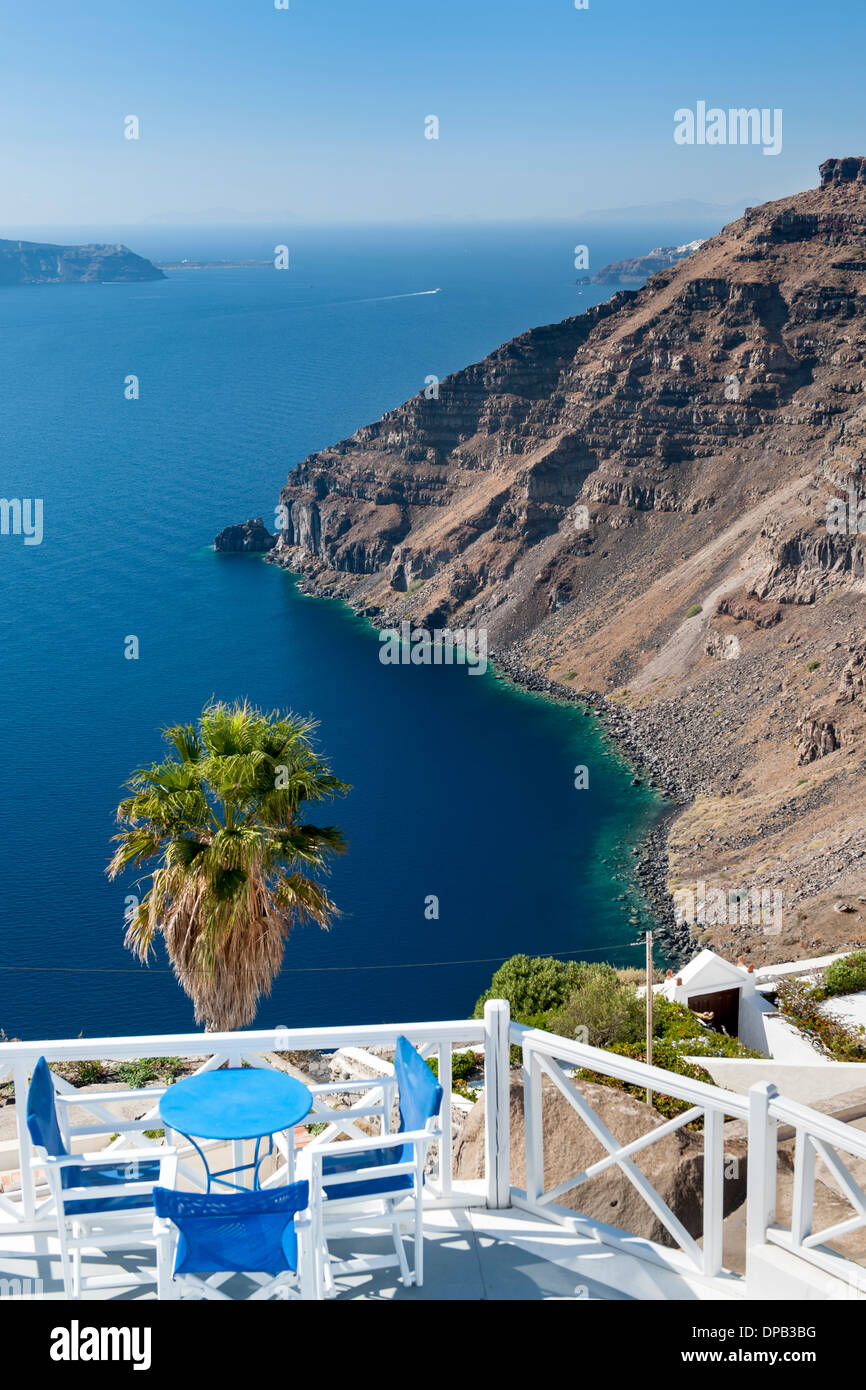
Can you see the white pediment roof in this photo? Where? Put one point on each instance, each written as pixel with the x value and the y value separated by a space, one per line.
pixel 709 971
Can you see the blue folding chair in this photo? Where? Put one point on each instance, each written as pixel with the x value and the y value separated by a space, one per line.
pixel 252 1233
pixel 100 1203
pixel 350 1177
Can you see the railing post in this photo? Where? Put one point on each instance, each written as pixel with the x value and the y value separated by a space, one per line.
pixel 714 1189
pixel 25 1152
pixel 804 1188
pixel 234 1060
pixel 761 1173
pixel 497 1103
pixel 533 1125
pixel 446 1119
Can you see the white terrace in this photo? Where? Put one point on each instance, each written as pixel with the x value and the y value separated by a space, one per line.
pixel 487 1238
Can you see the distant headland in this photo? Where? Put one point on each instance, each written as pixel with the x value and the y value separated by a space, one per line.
pixel 634 270
pixel 41 263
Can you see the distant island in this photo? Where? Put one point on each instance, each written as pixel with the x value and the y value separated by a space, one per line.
pixel 635 269
pixel 41 263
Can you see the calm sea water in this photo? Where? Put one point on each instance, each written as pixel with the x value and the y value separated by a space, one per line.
pixel 462 788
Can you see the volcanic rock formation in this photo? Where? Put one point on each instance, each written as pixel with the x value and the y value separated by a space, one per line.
pixel 616 496
pixel 250 537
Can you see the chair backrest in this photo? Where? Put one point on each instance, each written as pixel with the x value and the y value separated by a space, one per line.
pixel 237 1231
pixel 42 1112
pixel 419 1093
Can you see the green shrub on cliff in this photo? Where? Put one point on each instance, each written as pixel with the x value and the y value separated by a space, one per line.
pixel 601 1010
pixel 800 1002
pixel 532 985
pixel 845 976
pixel 565 997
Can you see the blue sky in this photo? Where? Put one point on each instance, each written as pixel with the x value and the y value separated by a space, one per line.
pixel 316 114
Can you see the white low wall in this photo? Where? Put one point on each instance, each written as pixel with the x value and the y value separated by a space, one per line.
pixel 765 974
pixel 775 1275
pixel 809 1083
pixel 755 1017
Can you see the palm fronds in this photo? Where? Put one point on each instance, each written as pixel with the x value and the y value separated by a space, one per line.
pixel 220 819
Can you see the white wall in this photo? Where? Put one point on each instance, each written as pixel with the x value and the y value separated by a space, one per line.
pixel 809 1083
pixel 777 1275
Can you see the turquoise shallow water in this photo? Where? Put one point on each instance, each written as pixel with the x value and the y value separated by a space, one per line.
pixel 462 787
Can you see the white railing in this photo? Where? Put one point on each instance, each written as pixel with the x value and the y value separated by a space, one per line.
pixel 818 1138
pixel 546 1055
pixel 253 1048
pixel 546 1058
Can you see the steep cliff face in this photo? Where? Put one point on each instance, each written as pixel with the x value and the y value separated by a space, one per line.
pixel 676 451
pixel 41 263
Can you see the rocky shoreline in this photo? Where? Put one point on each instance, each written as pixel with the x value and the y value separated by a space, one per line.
pixel 638 500
pixel 654 759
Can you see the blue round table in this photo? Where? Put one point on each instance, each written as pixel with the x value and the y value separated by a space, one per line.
pixel 235 1103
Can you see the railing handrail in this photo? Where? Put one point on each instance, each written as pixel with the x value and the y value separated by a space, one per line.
pixel 634 1072
pixel 278 1039
pixel 835 1132
pixel 439 1038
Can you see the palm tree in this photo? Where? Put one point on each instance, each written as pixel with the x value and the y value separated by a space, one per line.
pixel 220 816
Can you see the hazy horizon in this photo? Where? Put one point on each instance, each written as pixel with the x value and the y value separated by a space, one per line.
pixel 319 114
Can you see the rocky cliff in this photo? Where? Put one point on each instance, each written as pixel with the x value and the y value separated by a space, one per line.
pixel 247 537
pixel 637 502
pixel 40 263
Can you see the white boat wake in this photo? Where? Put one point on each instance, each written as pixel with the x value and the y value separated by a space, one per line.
pixel 379 298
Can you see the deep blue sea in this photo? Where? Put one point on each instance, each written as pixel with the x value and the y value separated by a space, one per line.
pixel 462 787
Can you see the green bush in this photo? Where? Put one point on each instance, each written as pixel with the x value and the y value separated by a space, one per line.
pixel 532 985
pixel 693 610
pixel 463 1064
pixel 603 1000
pixel 670 1053
pixel 609 1010
pixel 87 1073
pixel 800 1002
pixel 845 976
pixel 137 1074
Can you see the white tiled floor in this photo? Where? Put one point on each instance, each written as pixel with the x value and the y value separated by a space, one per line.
pixel 469 1256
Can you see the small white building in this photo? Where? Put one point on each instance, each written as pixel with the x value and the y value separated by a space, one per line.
pixel 725 994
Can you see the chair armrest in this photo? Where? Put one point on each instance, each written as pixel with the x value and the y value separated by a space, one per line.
pixel 108 1097
pixel 168 1168
pixel 105 1158
pixel 379 1141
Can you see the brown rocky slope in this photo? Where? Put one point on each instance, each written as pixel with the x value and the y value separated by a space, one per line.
pixel 634 503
